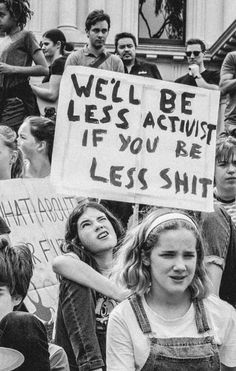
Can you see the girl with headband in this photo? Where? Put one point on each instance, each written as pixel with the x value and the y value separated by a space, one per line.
pixel 170 322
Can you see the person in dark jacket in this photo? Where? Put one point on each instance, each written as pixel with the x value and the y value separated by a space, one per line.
pixel 125 47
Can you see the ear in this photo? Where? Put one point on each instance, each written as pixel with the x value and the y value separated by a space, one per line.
pixel 42 146
pixel 145 259
pixel 16 300
pixel 58 44
pixel 13 158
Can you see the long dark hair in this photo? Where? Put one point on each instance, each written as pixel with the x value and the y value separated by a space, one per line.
pixel 72 242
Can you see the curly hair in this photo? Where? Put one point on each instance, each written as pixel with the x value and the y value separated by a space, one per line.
pixel 19 10
pixel 9 138
pixel 133 261
pixel 72 242
pixel 16 268
pixel 43 129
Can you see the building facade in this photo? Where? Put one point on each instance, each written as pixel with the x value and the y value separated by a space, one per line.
pixel 204 19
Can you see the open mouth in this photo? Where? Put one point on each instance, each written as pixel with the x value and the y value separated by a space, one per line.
pixel 102 235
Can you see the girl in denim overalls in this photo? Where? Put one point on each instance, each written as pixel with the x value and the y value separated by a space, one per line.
pixel 169 323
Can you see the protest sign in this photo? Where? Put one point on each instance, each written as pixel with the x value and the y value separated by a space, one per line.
pixel 135 139
pixel 36 215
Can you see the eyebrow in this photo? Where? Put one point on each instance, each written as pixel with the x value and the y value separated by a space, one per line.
pixel 84 220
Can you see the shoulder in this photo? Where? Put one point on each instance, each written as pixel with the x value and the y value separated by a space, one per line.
pixel 29 35
pixel 115 58
pixel 211 76
pixel 75 56
pixel 142 63
pixel 58 65
pixel 230 56
pixel 60 60
pixel 58 358
pixel 215 307
pixel 121 311
pixel 115 63
pixel 229 62
pixel 183 79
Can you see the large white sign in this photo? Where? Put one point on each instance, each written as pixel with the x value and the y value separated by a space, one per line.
pixel 135 139
pixel 36 215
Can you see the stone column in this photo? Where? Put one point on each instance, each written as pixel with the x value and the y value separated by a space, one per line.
pixel 195 19
pixel 228 13
pixel 45 16
pixel 213 21
pixel 68 20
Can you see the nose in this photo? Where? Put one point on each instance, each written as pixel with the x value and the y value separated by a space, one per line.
pixel 179 265
pixel 231 168
pixel 97 225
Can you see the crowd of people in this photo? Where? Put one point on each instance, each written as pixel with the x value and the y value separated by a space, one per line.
pixel 159 295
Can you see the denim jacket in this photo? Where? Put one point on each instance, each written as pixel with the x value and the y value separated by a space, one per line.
pixel 220 234
pixel 76 327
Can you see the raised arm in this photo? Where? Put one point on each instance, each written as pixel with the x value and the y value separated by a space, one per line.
pixel 80 272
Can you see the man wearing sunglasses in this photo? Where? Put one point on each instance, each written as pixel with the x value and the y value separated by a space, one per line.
pixel 197 74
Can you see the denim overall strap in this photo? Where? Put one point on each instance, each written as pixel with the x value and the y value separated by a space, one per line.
pixel 200 316
pixel 137 306
pixel 181 353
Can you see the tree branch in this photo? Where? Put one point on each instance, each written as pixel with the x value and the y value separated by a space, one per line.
pixel 144 18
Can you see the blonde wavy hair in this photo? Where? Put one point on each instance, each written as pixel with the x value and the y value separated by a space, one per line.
pixel 132 266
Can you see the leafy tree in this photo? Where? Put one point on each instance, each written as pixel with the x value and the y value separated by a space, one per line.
pixel 172 11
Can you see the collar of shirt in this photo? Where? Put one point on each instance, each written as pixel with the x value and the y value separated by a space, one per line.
pixel 88 52
pixel 136 63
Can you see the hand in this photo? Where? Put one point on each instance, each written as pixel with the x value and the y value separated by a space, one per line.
pixel 6 68
pixel 194 70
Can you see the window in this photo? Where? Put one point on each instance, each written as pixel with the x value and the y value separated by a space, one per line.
pixel 162 22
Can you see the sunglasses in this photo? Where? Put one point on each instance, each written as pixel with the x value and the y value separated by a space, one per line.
pixel 195 53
